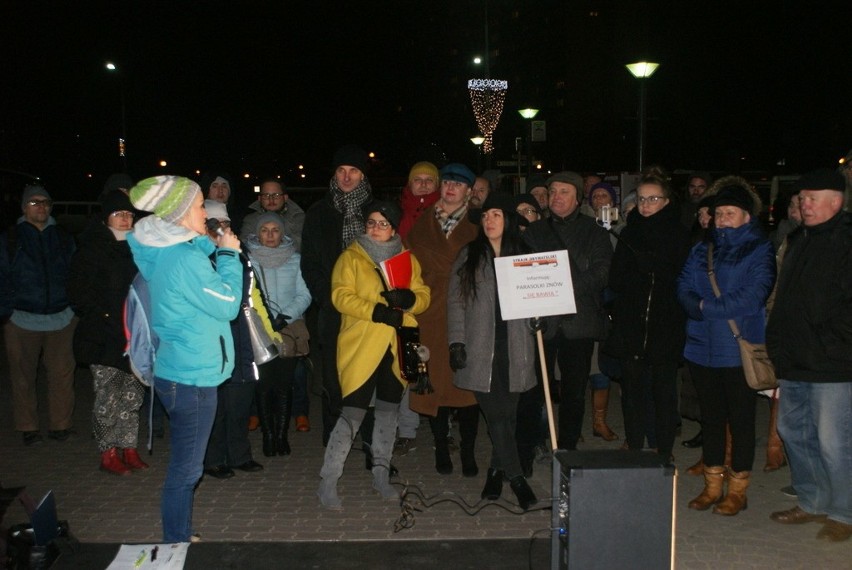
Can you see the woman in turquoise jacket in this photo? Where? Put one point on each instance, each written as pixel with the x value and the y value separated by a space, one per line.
pixel 192 304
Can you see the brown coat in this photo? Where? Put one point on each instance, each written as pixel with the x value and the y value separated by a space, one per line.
pixel 436 254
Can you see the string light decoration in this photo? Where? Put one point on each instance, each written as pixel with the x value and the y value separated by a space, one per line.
pixel 487 97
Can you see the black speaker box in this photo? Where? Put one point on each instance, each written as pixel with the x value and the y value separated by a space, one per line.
pixel 616 510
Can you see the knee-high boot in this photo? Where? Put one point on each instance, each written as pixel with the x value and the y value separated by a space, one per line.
pixel 468 428
pixel 283 410
pixel 775 458
pixel 339 444
pixel 266 412
pixel 600 406
pixel 441 431
pixel 384 435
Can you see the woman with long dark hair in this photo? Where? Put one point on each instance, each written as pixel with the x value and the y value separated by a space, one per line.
pixel 502 352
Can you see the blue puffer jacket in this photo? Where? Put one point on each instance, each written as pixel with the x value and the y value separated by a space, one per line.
pixel 744 264
pixel 279 276
pixel 34 278
pixel 192 303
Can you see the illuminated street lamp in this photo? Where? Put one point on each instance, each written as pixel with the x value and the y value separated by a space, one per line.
pixel 529 115
pixel 122 139
pixel 478 142
pixel 642 70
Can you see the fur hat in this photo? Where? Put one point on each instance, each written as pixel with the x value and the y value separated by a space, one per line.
pixel 458 172
pixel 168 196
pixel 350 155
pixel 568 177
pixel 748 200
pixel 216 210
pixel 33 190
pixel 389 210
pixel 426 168
pixel 822 179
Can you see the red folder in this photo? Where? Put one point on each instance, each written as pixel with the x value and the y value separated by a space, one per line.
pixel 397 270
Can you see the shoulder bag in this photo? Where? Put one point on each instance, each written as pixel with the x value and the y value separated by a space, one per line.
pixel 758 368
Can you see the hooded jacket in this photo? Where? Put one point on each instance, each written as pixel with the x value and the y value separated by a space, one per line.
pixel 744 265
pixel 192 303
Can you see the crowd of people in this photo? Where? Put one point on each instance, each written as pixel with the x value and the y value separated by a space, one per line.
pixel 661 281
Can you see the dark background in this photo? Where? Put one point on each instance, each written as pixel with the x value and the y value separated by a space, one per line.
pixel 262 87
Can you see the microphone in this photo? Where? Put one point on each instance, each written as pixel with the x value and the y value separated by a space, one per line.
pixel 213 226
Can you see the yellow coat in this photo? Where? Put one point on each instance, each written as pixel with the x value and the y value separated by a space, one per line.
pixel 355 290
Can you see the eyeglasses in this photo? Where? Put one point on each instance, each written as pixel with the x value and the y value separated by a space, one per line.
pixel 527 211
pixel 649 199
pixel 122 214
pixel 45 203
pixel 224 223
pixel 271 196
pixel 381 224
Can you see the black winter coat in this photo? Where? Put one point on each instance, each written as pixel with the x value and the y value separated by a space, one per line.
pixel 101 272
pixel 648 320
pixel 322 244
pixel 589 255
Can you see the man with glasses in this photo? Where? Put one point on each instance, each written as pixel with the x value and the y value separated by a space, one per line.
pixel 273 198
pixel 35 255
pixel 589 254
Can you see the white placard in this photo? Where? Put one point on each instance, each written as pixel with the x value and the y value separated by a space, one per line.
pixel 535 285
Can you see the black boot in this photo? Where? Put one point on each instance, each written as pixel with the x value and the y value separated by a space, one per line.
pixel 468 427
pixel 525 495
pixel 441 430
pixel 283 410
pixel 493 485
pixel 266 414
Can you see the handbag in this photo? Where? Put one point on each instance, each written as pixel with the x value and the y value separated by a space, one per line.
pixel 757 367
pixel 295 339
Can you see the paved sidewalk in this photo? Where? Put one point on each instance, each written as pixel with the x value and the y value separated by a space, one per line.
pixel 279 503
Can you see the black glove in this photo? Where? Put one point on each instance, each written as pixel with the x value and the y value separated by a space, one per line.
pixel 386 315
pixel 399 298
pixel 458 356
pixel 280 322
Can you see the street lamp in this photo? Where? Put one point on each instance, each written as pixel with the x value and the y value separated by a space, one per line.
pixel 122 139
pixel 529 115
pixel 642 70
pixel 478 142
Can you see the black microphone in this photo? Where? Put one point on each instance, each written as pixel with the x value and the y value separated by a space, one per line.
pixel 213 226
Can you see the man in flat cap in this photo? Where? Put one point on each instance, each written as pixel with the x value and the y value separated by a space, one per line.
pixel 809 338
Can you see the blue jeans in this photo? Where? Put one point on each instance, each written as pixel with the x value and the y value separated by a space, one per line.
pixel 815 422
pixel 191 411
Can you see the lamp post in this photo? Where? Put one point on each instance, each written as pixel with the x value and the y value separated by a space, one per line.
pixel 122 139
pixel 528 114
pixel 642 70
pixel 478 142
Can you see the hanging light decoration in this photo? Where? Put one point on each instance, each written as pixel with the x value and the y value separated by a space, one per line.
pixel 487 97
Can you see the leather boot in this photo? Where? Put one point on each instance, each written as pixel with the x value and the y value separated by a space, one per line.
pixel 112 463
pixel 493 485
pixel 441 431
pixel 698 468
pixel 735 501
pixel 468 428
pixel 775 458
pixel 384 435
pixel 526 497
pixel 336 452
pixel 714 479
pixel 283 410
pixel 132 459
pixel 600 405
pixel 266 414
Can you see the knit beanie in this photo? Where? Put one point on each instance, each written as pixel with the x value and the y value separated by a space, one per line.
pixel 350 155
pixel 115 201
pixel 169 197
pixel 31 191
pixel 118 181
pixel 389 210
pixel 529 199
pixel 216 210
pixel 606 186
pixel 426 168
pixel 267 217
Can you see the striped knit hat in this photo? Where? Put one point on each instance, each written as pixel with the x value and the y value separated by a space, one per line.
pixel 169 197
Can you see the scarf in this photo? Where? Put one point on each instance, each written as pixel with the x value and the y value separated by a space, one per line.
pixel 448 222
pixel 271 257
pixel 349 204
pixel 380 251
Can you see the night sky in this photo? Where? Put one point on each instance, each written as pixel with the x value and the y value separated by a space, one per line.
pixel 261 87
